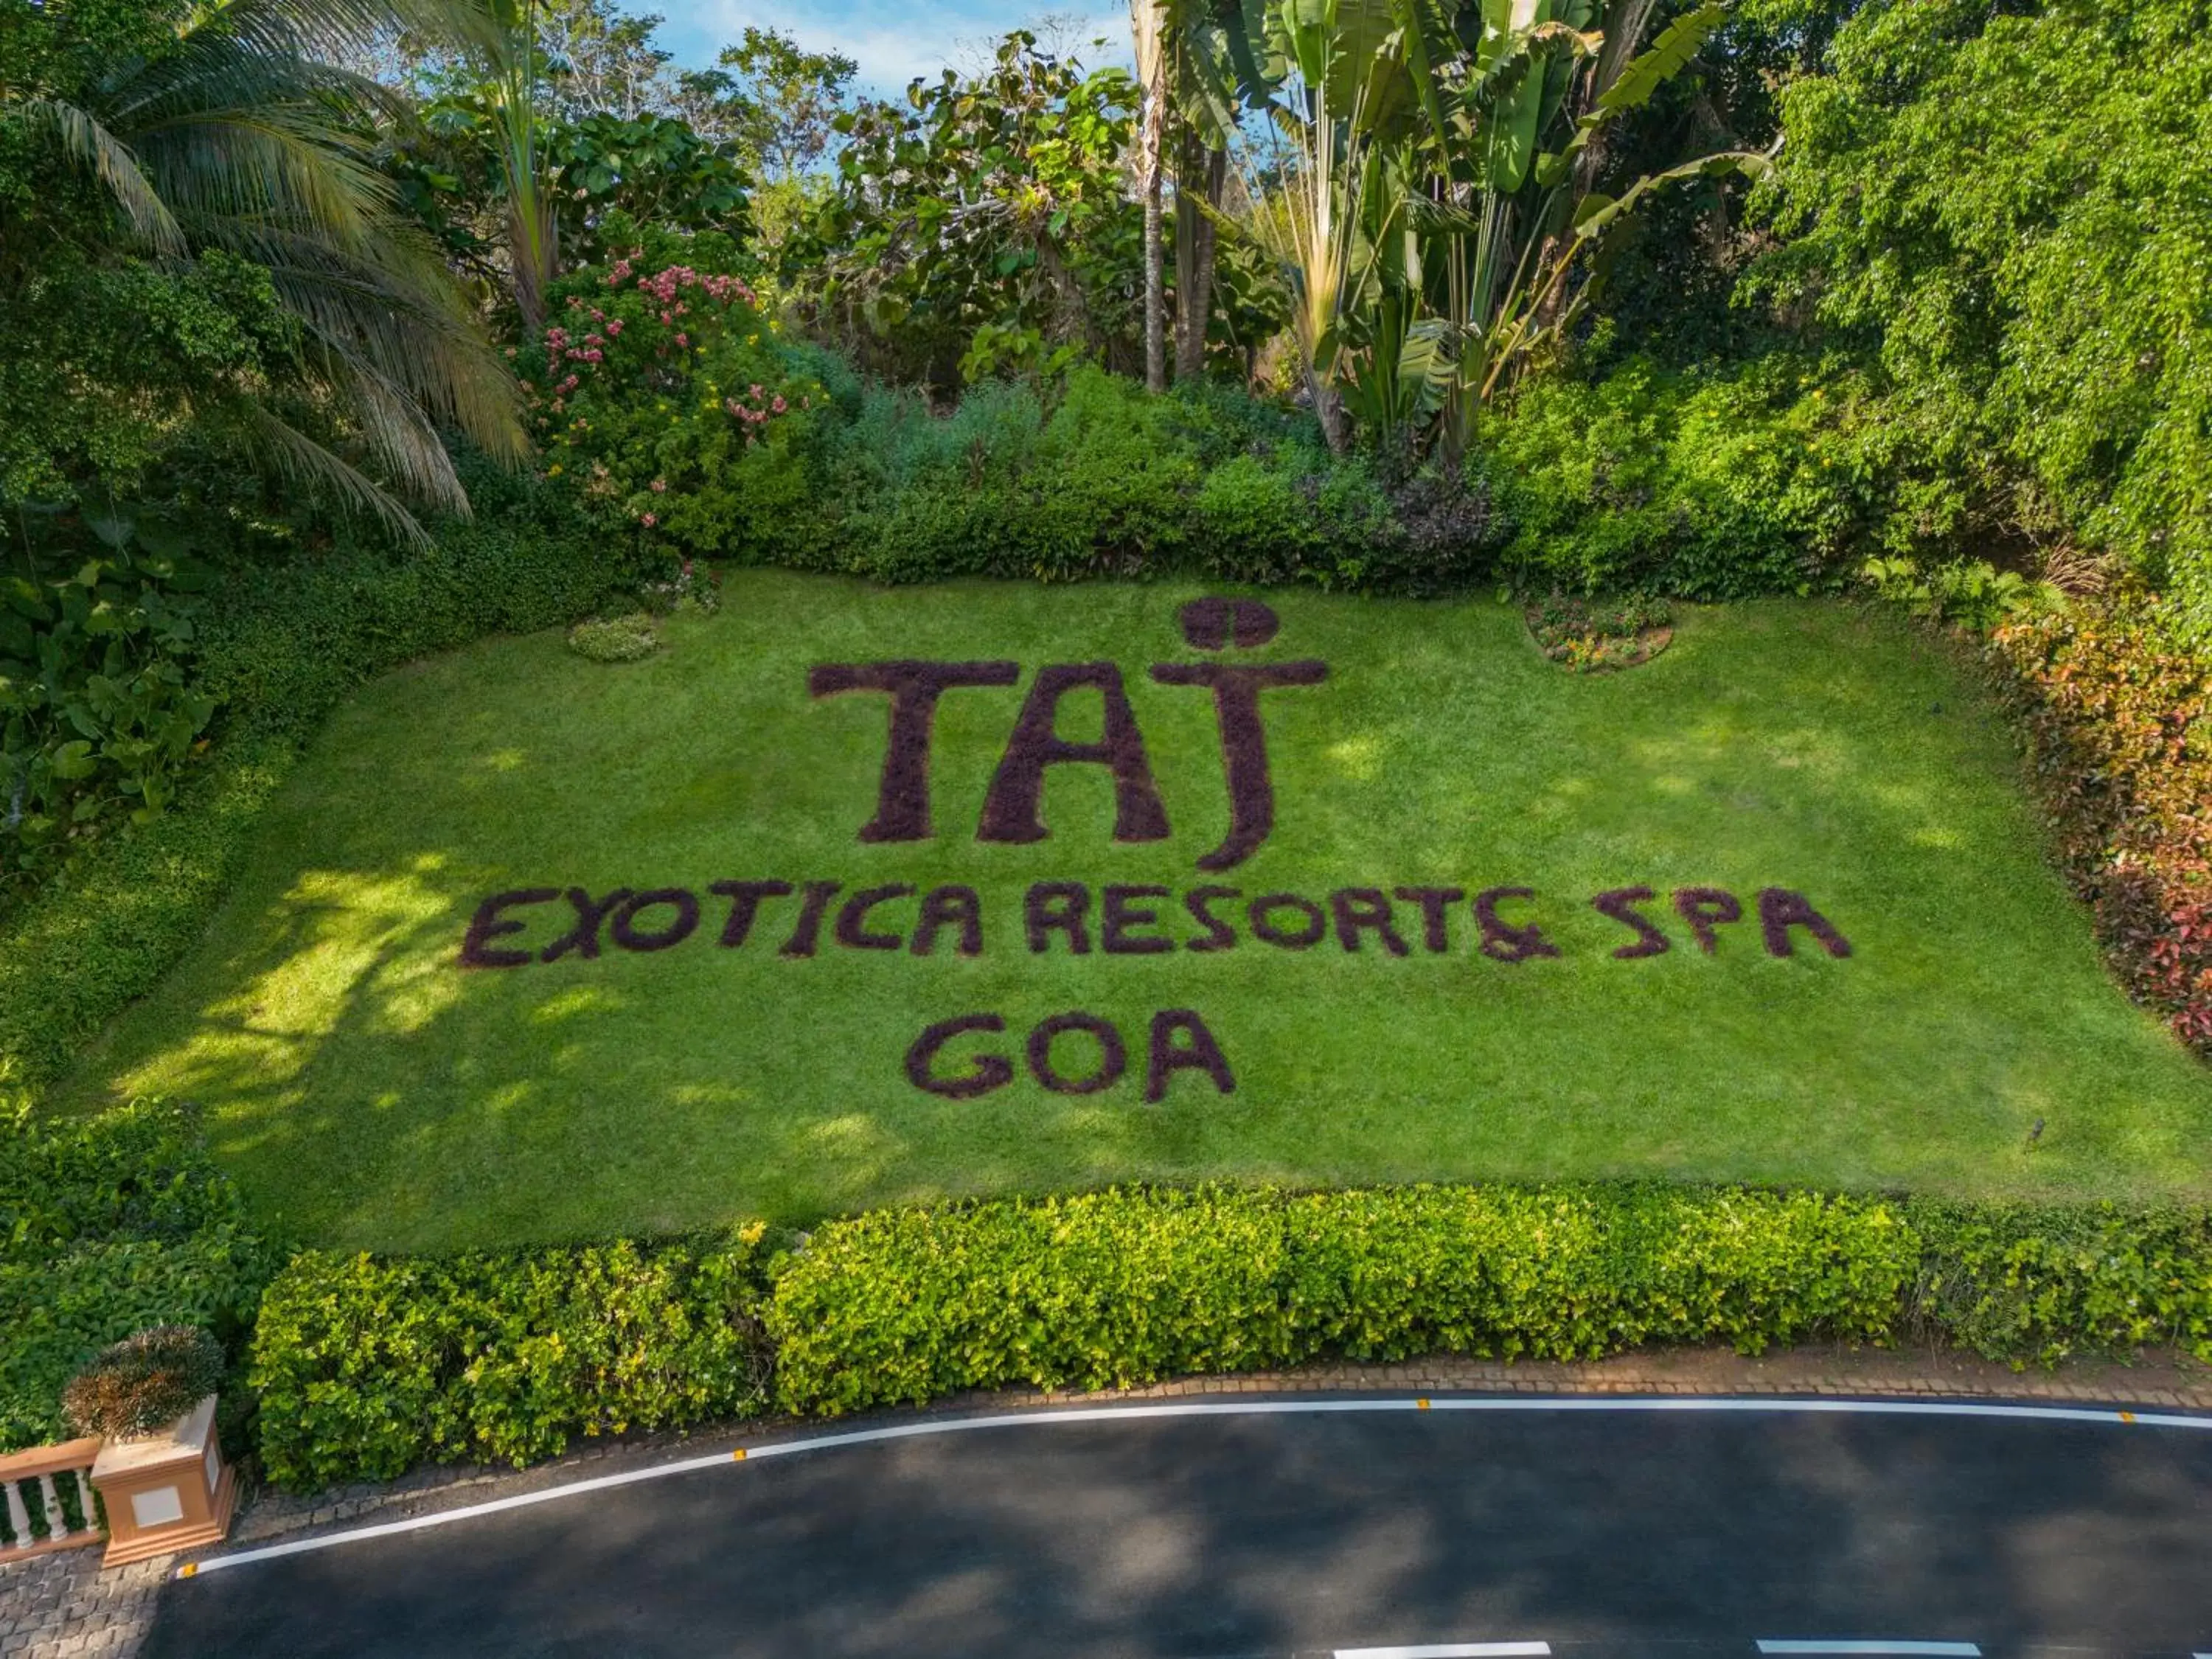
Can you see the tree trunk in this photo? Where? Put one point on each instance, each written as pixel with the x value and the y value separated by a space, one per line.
pixel 1197 238
pixel 1156 352
pixel 1328 409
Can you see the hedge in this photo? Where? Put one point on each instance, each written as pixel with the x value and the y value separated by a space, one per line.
pixel 367 1365
pixel 1126 1286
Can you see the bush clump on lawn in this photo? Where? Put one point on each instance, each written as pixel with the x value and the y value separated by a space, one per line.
pixel 108 1226
pixel 367 1366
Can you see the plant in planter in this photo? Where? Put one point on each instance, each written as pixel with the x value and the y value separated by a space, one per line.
pixel 161 1476
pixel 143 1384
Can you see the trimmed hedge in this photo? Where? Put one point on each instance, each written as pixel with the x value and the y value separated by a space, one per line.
pixel 1120 1287
pixel 366 1367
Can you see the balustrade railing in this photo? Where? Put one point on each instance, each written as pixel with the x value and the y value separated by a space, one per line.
pixel 47 1500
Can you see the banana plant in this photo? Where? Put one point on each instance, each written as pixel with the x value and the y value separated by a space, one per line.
pixel 1429 189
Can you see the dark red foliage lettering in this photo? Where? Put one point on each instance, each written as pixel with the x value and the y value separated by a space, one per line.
pixel 1358 907
pixel 488 924
pixel 903 794
pixel 1120 916
pixel 1197 1051
pixel 745 897
pixel 1780 909
pixel 1010 811
pixel 1212 624
pixel 1060 906
pixel 1435 904
pixel 1113 1058
pixel 1219 935
pixel 950 907
pixel 852 929
pixel 1501 940
pixel 990 1071
pixel 1263 927
pixel 583 938
pixel 627 934
pixel 806 931
pixel 1706 909
pixel 1243 743
pixel 1619 903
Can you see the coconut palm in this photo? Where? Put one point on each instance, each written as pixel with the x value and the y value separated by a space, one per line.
pixel 244 136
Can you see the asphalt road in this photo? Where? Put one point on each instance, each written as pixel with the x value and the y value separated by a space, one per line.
pixel 1602 1534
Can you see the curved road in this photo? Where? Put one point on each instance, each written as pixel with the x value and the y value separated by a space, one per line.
pixel 1591 1529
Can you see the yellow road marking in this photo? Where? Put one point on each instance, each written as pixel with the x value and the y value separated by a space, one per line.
pixel 2127 1416
pixel 739 1456
pixel 1420 1404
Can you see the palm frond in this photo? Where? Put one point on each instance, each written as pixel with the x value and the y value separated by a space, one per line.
pixel 94 147
pixel 297 458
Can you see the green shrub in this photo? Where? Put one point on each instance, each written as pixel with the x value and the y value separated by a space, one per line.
pixel 1126 1286
pixel 617 639
pixel 367 1366
pixel 109 1227
pixel 1711 486
pixel 2005 209
pixel 2043 1285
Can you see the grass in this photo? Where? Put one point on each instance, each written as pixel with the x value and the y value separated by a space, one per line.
pixel 366 1091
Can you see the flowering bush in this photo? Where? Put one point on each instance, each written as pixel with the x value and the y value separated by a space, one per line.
pixel 2120 721
pixel 670 405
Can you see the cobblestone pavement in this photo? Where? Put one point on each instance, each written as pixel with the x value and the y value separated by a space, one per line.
pixel 63 1607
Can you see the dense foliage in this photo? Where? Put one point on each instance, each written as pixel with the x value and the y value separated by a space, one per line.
pixel 2007 213
pixel 368 1364
pixel 366 1367
pixel 109 1227
pixel 2120 729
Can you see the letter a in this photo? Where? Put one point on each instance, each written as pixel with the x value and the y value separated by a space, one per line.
pixel 1010 811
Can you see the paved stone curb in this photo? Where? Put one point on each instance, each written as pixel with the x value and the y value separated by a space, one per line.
pixel 62 1606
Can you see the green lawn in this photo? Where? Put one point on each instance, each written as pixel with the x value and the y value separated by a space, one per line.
pixel 368 1090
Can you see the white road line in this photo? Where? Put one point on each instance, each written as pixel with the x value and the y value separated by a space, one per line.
pixel 1038 1416
pixel 1954 1649
pixel 1452 1651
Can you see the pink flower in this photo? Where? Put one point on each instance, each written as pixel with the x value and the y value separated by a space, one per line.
pixel 650 521
pixel 615 327
pixel 660 486
pixel 756 389
pixel 684 339
pixel 665 318
pixel 779 405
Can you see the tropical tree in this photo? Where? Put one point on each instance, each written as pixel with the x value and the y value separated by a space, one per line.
pixel 1427 179
pixel 215 155
pixel 982 226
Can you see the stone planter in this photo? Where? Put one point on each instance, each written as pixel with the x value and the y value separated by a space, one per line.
pixel 166 1492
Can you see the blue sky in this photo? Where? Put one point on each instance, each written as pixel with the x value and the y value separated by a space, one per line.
pixel 891 42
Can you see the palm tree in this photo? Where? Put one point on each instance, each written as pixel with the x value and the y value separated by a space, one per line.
pixel 247 138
